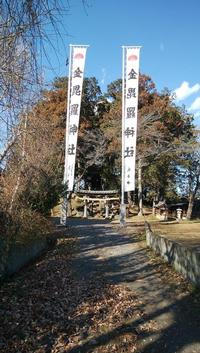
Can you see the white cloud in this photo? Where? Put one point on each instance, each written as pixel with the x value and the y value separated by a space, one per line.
pixel 195 105
pixel 197 114
pixel 103 72
pixel 197 118
pixel 185 90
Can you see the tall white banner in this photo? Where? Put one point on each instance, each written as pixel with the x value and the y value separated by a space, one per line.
pixel 76 72
pixel 129 115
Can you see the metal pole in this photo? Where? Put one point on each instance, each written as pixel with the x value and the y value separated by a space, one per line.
pixel 122 206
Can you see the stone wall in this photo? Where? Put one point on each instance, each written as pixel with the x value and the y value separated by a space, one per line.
pixel 19 255
pixel 184 260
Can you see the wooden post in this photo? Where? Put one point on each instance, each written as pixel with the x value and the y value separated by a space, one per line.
pixel 107 210
pixel 85 208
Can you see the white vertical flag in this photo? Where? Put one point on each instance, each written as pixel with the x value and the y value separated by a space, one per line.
pixel 129 115
pixel 76 71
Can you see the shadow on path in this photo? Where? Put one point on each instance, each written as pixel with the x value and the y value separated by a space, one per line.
pixel 119 259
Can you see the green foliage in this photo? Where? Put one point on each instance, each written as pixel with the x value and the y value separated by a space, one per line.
pixel 164 130
pixel 114 89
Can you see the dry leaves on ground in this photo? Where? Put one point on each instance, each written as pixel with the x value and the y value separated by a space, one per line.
pixel 46 309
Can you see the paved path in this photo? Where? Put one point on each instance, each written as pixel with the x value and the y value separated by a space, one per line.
pixel 120 259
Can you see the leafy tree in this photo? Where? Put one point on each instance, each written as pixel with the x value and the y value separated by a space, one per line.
pixel 91 142
pixel 189 177
pixel 114 89
pixel 39 149
pixel 163 129
pixel 162 142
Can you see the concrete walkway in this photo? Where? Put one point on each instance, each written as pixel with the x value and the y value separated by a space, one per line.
pixel 120 259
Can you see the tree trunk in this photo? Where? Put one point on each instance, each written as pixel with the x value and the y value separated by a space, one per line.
pixel 17 185
pixel 140 203
pixel 190 205
pixel 77 182
pixel 192 196
pixel 69 204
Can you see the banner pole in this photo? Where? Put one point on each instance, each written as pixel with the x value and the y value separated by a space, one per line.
pixel 122 206
pixel 130 85
pixel 67 116
pixel 65 196
pixel 75 86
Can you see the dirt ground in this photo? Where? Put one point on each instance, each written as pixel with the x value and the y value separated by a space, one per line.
pixel 184 232
pixel 170 306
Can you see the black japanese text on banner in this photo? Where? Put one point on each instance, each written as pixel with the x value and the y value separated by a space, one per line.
pixel 130 91
pixel 76 71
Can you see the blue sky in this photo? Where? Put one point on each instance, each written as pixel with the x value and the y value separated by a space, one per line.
pixel 168 31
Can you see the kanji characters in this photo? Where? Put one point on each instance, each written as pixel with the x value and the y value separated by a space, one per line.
pixel 130 112
pixel 74 109
pixel 77 72
pixel 131 93
pixel 129 152
pixel 73 129
pixel 71 149
pixel 129 132
pixel 132 75
pixel 76 90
